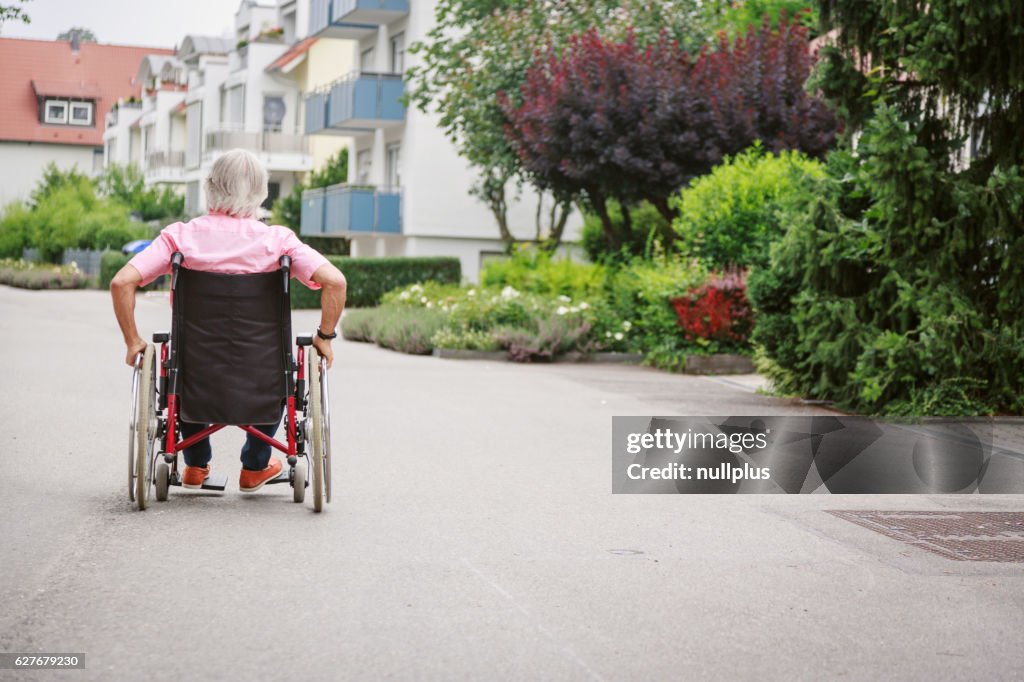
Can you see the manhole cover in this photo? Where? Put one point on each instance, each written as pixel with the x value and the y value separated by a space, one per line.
pixel 964 536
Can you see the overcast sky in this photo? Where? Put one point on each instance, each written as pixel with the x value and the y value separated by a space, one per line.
pixel 152 23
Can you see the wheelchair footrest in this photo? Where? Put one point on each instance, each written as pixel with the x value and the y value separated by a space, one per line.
pixel 218 482
pixel 280 478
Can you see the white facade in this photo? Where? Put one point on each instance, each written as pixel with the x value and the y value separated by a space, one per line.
pixel 216 95
pixel 438 215
pixel 24 163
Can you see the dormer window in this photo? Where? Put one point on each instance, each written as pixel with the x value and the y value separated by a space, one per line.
pixel 55 111
pixel 81 113
pixel 68 112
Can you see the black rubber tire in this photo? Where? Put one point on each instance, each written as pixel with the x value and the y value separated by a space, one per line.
pixel 162 478
pixel 316 416
pixel 145 428
pixel 299 483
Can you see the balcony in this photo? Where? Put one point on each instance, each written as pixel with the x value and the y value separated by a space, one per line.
pixel 352 19
pixel 357 103
pixel 164 166
pixel 279 150
pixel 346 211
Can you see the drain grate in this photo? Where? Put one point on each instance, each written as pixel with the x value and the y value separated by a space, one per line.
pixel 963 536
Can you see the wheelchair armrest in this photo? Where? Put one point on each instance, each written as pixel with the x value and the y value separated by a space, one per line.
pixel 161 337
pixel 304 340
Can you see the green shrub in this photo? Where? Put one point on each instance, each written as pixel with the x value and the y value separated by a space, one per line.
pixel 465 340
pixel 15 230
pixel 370 278
pixel 644 236
pixel 126 185
pixel 406 329
pixel 909 304
pixel 359 325
pixel 110 263
pixel 555 335
pixel 731 216
pixel 640 294
pixel 25 275
pixel 536 272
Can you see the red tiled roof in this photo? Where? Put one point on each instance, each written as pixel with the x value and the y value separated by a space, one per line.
pixel 295 51
pixel 33 68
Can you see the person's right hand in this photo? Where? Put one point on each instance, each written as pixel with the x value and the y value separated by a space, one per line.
pixel 135 346
pixel 324 348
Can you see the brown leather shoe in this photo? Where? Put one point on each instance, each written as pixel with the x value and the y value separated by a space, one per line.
pixel 193 477
pixel 250 481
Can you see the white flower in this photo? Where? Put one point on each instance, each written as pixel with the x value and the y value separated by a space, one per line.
pixel 564 298
pixel 509 292
pixel 618 336
pixel 404 296
pixel 562 310
pixel 608 334
pixel 423 299
pixel 584 305
pixel 627 325
pixel 471 292
pixel 430 304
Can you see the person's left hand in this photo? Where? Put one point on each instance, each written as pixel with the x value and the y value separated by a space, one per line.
pixel 135 346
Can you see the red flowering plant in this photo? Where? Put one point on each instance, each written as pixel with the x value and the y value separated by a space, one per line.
pixel 717 310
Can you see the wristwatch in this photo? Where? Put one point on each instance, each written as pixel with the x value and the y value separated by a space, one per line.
pixel 326 337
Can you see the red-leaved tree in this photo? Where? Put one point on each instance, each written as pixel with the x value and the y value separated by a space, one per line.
pixel 603 119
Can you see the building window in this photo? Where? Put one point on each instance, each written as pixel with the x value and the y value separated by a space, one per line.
pixel 363 161
pixel 273 192
pixel 366 59
pixel 393 157
pixel 273 113
pixel 81 113
pixel 398 53
pixel 55 111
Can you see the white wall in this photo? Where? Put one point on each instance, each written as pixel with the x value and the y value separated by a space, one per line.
pixel 22 164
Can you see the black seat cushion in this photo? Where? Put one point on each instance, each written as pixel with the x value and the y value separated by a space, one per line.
pixel 231 337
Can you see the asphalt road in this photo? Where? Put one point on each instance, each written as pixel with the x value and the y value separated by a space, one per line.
pixel 473 536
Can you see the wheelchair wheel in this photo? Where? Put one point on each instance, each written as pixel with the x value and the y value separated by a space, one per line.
pixel 299 483
pixel 145 427
pixel 163 481
pixel 133 411
pixel 315 375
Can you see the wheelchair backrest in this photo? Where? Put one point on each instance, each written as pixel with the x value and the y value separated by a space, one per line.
pixel 230 346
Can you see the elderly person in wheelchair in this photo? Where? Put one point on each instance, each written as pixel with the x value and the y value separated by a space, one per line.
pixel 228 358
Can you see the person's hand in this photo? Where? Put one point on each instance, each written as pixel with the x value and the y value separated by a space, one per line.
pixel 135 346
pixel 324 347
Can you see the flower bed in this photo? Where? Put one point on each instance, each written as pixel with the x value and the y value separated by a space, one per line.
pixel 26 275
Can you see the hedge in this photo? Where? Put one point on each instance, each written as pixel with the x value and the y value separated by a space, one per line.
pixel 110 263
pixel 370 278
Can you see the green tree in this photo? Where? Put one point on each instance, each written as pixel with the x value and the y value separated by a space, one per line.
pixel 14 13
pixel 127 185
pixel 84 34
pixel 900 289
pixel 479 48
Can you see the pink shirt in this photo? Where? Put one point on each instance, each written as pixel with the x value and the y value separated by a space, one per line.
pixel 235 246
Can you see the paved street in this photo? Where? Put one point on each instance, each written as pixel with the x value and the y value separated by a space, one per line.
pixel 473 535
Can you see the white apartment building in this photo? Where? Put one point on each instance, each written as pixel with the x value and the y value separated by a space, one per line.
pixel 215 94
pixel 407 193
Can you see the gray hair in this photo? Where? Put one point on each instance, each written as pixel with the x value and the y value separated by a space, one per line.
pixel 237 184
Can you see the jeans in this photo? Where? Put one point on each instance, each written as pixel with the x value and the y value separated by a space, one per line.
pixel 255 453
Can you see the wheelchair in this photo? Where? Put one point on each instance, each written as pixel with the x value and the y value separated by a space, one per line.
pixel 228 361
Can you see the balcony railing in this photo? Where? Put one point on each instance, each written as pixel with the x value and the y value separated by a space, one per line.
pixel 271 142
pixel 352 19
pixel 358 102
pixel 162 159
pixel 346 210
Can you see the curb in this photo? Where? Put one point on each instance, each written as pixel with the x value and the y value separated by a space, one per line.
pixel 502 356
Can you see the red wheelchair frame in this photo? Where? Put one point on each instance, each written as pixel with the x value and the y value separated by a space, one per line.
pixel 154 426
